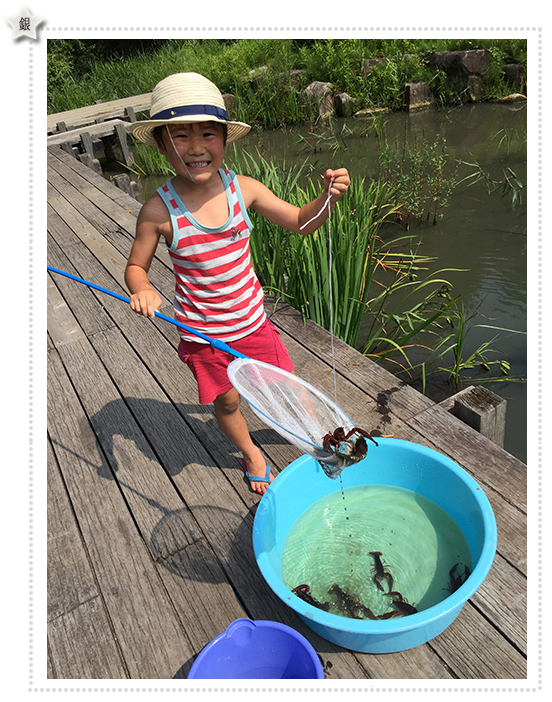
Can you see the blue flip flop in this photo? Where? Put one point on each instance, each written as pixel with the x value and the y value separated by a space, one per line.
pixel 254 478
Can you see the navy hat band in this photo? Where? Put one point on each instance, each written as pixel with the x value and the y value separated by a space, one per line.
pixel 186 110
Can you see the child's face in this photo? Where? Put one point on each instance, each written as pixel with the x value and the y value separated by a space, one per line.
pixel 201 147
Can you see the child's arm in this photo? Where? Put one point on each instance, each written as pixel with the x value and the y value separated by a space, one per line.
pixel 144 299
pixel 263 200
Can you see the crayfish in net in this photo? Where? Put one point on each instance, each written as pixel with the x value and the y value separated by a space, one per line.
pixel 345 448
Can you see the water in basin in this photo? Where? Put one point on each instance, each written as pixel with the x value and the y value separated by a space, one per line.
pixel 332 540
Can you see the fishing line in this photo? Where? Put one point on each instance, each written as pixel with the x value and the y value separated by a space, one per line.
pixel 179 156
pixel 328 205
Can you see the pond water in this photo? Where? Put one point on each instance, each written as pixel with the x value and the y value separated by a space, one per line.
pixel 484 233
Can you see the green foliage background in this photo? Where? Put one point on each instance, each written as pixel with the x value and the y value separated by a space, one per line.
pixel 81 72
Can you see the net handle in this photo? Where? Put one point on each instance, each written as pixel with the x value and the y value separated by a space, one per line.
pixel 216 343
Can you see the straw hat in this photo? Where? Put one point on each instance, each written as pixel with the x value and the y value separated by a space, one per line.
pixel 183 98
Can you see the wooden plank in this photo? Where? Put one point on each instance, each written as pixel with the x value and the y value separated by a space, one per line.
pixel 62 325
pixel 103 110
pixel 474 649
pixel 202 595
pixel 80 638
pixel 73 136
pixel 70 578
pixel 485 460
pixel 80 176
pixel 50 666
pixel 86 209
pixel 125 573
pixel 92 317
pixel 112 209
pixel 128 454
pixel 90 237
pixel 82 646
pixel 59 170
pixel 413 664
pixel 502 598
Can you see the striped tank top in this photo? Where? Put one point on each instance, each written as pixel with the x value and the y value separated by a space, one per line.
pixel 217 292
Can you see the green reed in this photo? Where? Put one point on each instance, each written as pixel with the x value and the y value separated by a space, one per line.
pixel 339 286
pixel 355 250
pixel 453 358
pixel 420 173
pixel 372 281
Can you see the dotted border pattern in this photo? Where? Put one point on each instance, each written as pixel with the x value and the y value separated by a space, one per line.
pixel 203 30
pixel 539 433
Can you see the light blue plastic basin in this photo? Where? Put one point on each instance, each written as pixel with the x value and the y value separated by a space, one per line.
pixel 397 463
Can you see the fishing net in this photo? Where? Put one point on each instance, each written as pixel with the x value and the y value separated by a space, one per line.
pixel 299 412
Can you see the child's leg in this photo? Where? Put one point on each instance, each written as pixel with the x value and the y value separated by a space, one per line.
pixel 232 423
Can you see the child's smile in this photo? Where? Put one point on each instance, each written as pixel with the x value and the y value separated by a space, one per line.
pixel 198 146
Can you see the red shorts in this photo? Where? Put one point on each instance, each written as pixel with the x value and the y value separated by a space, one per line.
pixel 209 364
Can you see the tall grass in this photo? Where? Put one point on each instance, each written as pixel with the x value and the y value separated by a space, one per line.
pixel 337 287
pixel 372 281
pixel 453 358
pixel 420 171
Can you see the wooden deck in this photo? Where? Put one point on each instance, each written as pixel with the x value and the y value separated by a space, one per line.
pixel 149 517
pixel 100 111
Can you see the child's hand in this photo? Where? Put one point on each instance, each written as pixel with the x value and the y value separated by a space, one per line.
pixel 146 302
pixel 341 182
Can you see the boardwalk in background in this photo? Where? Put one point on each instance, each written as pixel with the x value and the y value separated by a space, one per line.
pixel 149 516
pixel 100 111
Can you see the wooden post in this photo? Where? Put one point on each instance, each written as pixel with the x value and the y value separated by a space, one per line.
pixel 62 127
pixel 123 142
pixel 66 146
pixel 108 147
pixel 87 144
pixel 92 163
pixel 89 155
pixel 129 112
pixel 481 409
pixel 123 181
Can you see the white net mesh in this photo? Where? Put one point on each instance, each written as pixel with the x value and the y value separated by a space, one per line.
pixel 295 409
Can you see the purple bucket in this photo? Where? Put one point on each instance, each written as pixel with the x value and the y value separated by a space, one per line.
pixel 258 650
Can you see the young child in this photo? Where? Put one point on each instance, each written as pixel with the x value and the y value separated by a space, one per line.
pixel 202 215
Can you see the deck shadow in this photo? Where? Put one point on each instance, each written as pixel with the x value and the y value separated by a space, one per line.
pixel 171 434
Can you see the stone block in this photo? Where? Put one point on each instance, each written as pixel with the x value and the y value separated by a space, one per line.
pixel 462 66
pixel 344 105
pixel 417 95
pixel 320 94
pixel 369 64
